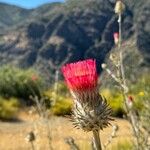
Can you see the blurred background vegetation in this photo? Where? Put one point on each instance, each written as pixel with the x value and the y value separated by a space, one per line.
pixel 17 86
pixel 35 43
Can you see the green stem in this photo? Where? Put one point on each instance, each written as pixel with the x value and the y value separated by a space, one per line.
pixel 97 141
pixel 129 111
pixel 121 55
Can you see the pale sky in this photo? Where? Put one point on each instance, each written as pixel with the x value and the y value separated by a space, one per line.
pixel 29 3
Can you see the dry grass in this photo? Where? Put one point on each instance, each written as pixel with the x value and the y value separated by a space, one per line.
pixel 12 135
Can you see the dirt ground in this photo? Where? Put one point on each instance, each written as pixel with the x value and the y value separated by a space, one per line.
pixel 13 134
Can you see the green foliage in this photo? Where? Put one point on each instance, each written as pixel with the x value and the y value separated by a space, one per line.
pixel 123 145
pixel 19 83
pixel 60 99
pixel 62 89
pixel 62 106
pixel 8 108
pixel 139 90
pixel 145 115
pixel 115 101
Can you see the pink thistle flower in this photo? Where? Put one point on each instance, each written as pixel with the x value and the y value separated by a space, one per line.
pixel 81 76
pixel 91 111
pixel 116 37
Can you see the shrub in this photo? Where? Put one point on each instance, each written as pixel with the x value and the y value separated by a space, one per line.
pixel 62 107
pixel 123 145
pixel 115 100
pixel 141 91
pixel 61 102
pixel 8 108
pixel 16 82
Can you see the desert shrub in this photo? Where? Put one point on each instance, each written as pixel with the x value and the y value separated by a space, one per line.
pixel 17 82
pixel 8 108
pixel 62 89
pixel 123 145
pixel 140 91
pixel 62 106
pixel 115 100
pixel 61 101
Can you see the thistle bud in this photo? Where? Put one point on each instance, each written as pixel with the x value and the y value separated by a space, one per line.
pixel 116 38
pixel 119 7
pixel 130 101
pixel 103 66
pixel 91 111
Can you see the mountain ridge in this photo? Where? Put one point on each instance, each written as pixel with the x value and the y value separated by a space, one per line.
pixel 61 33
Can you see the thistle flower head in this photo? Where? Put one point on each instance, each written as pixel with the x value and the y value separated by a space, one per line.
pixel 81 76
pixel 91 111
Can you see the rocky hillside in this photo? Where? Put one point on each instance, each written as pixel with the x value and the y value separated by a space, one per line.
pixel 11 15
pixel 51 35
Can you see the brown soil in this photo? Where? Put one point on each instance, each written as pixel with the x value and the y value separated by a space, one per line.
pixel 12 134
